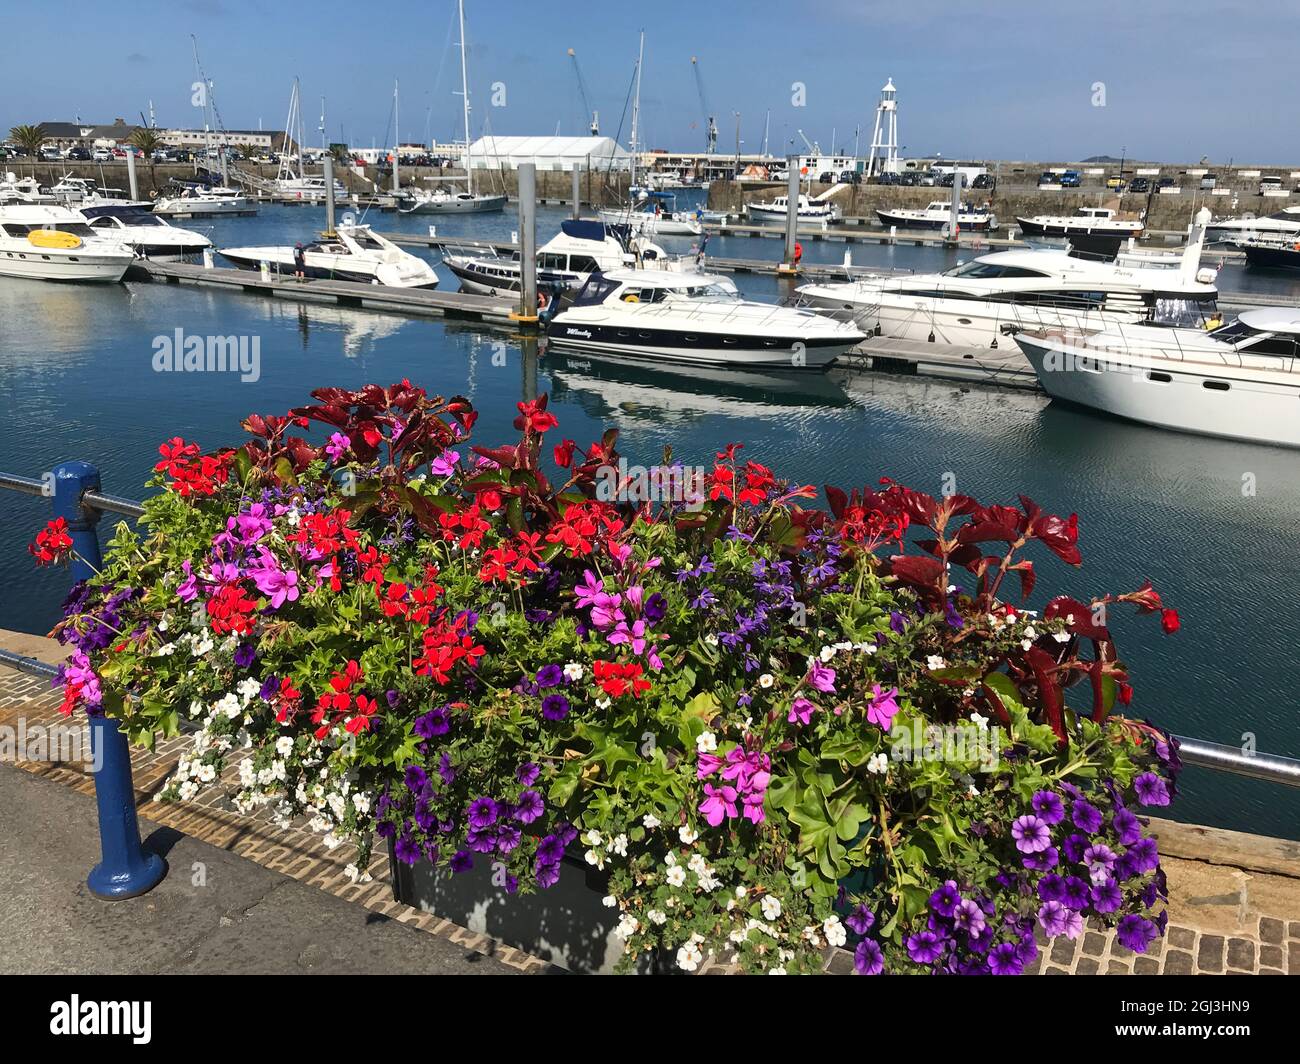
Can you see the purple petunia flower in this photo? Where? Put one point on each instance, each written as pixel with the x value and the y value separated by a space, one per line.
pixel 1100 861
pixel 527 774
pixel 245 655
pixel 1048 807
pixel 550 676
pixel 434 723
pixel 1043 861
pixel 482 813
pixel 550 850
pixel 555 707
pixel 925 947
pixel 461 861
pixel 869 958
pixel 1074 845
pixel 861 920
pixel 547 875
pixel 1151 789
pixel 416 778
pixel 530 807
pixel 1128 828
pixel 1004 959
pixel 1086 816
pixel 1076 893
pixel 1031 834
pixel 1144 855
pixel 1106 897
pixel 406 851
pixel 1051 887
pixel 969 917
pixel 944 901
pixel 1053 917
pixel 1135 932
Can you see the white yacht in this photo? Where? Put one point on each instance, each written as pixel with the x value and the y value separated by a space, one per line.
pixel 308 188
pixel 51 243
pixel 1283 223
pixel 25 190
pixel 656 222
pixel 199 201
pixel 979 303
pixel 565 262
pixel 1240 381
pixel 694 319
pixel 938 215
pixel 779 209
pixel 1086 221
pixel 82 192
pixel 148 235
pixel 353 253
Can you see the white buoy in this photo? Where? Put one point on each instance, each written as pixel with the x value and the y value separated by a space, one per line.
pixel 433 231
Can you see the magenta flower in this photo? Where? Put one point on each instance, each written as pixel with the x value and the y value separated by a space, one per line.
pixel 635 636
pixel 822 677
pixel 801 711
pixel 883 707
pixel 337 446
pixel 188 589
pixel 280 585
pixel 605 612
pixel 445 464
pixel 720 804
pixel 708 765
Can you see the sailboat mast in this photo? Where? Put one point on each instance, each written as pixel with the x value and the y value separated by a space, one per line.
pixel 397 143
pixel 464 92
pixel 636 107
pixel 198 70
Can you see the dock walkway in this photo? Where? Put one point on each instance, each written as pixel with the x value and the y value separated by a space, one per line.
pixel 1234 898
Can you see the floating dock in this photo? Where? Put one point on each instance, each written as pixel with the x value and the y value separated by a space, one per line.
pixel 418 302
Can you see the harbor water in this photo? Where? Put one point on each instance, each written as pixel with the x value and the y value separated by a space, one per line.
pixel 1212 523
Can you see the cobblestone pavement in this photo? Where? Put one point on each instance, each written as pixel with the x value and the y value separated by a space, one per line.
pixel 1227 915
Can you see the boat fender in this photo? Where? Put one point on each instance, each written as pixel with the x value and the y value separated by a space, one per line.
pixel 631 297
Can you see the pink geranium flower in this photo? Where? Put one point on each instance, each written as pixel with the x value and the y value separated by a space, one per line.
pixel 883 707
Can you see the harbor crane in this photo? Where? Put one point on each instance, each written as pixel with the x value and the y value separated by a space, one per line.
pixel 711 127
pixel 594 126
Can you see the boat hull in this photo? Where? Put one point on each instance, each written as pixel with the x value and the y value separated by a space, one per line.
pixel 315 269
pixel 770 214
pixel 1272 257
pixel 1030 227
pixel 1186 396
pixel 701 349
pixel 475 279
pixel 983 225
pixel 481 205
pixel 36 265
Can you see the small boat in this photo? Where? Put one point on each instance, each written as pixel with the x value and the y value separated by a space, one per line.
pixel 1275 252
pixel 565 262
pixel 808 210
pixel 442 201
pixel 353 253
pixel 1240 381
pixel 147 234
pixel 663 316
pixel 1089 221
pixel 656 223
pixel 938 215
pixel 26 190
pixel 1283 223
pixel 308 188
pixel 202 201
pixel 51 243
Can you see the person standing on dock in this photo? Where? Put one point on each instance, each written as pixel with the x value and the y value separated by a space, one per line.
pixel 299 262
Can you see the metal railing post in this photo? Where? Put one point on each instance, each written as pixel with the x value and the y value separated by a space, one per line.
pixel 124 869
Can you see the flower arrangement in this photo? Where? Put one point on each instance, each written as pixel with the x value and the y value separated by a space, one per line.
pixel 774 727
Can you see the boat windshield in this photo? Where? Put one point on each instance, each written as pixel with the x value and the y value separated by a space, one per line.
pixel 716 292
pixel 1181 311
pixel 991 269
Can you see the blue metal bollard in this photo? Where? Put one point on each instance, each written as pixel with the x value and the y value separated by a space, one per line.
pixel 124 869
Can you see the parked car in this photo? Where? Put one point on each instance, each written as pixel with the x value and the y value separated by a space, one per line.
pixel 1071 179
pixel 1269 183
pixel 1166 182
pixel 826 177
pixel 779 175
pixel 850 177
pixel 1116 184
pixel 50 155
pixel 1208 181
pixel 984 181
pixel 1048 178
pixel 925 180
pixel 889 179
pixel 1140 184
pixel 79 154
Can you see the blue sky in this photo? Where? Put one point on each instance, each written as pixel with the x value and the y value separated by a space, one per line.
pixel 1013 79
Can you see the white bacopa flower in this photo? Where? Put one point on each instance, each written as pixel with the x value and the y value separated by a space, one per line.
pixel 778 970
pixel 687 836
pixel 1025 644
pixel 627 926
pixel 247 688
pixel 706 743
pixel 826 653
pixel 935 661
pixel 972 791
pixel 741 891
pixel 878 764
pixel 206 774
pixel 656 916
pixel 618 845
pixel 650 821
pixel 698 864
pixel 812 935
pixel 766 680
pixel 592 838
pixel 676 876
pixel 284 746
pixel 711 639
pixel 361 802
pixel 1061 637
pixel 603 703
pixel 595 857
pixel 1029 632
pixel 689 957
pixel 573 672
pixel 834 931
pixel 771 907
pixel 352 872
pixel 609 901
pixel 228 706
pixel 981 723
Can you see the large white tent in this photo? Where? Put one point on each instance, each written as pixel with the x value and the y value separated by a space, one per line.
pixel 551 153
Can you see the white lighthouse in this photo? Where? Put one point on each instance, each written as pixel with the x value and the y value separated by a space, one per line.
pixel 884 141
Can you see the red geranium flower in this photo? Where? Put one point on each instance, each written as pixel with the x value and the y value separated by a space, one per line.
pixel 52 543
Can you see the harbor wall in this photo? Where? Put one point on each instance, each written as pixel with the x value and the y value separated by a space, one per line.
pixel 1165 211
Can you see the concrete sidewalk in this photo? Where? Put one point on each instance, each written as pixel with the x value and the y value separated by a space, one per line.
pixel 214 912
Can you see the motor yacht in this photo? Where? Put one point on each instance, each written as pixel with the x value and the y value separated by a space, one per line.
pixel 1088 221
pixel 1240 381
pixel 667 317
pixel 565 262
pixel 308 188
pixel 1277 251
pixel 51 243
pixel 938 215
pixel 25 190
pixel 351 253
pixel 779 209
pixel 147 234
pixel 201 201
pixel 979 303
pixel 1283 223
